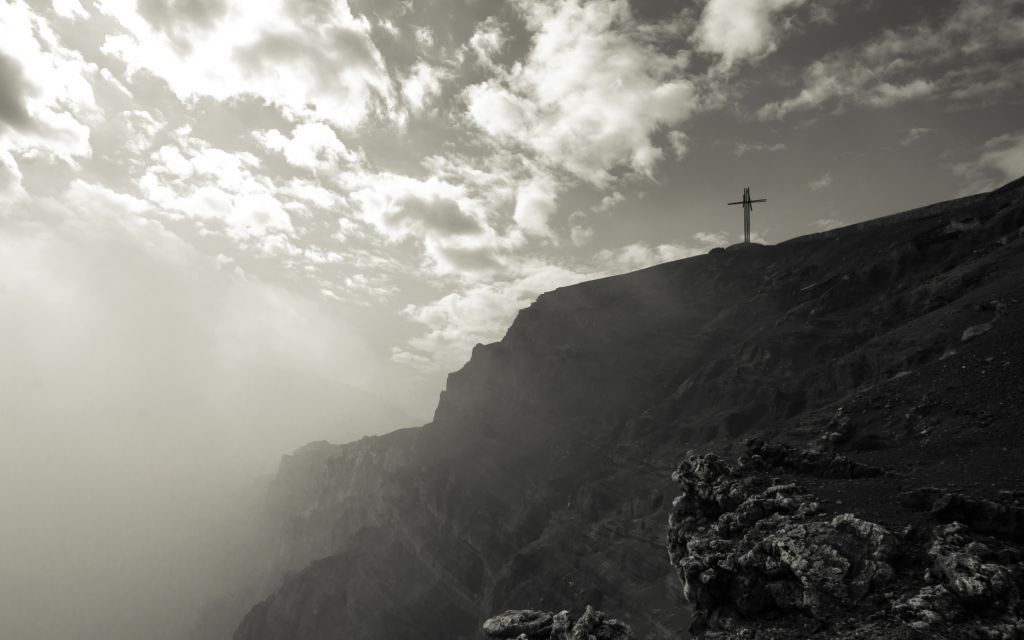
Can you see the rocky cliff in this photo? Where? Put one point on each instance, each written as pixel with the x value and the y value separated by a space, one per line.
pixel 880 366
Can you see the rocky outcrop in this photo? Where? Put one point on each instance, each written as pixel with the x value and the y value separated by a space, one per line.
pixel 760 558
pixel 538 625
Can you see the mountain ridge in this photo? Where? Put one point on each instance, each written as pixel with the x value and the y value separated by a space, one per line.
pixel 543 480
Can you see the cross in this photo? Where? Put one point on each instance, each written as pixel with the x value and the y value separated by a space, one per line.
pixel 748 206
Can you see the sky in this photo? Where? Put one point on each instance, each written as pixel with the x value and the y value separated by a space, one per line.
pixel 416 172
pixel 228 228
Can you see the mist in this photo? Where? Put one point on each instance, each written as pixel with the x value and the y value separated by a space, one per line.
pixel 146 391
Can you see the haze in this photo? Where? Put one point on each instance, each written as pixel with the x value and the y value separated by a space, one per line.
pixel 227 228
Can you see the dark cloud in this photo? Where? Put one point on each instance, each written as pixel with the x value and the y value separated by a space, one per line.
pixel 347 49
pixel 436 214
pixel 169 15
pixel 13 89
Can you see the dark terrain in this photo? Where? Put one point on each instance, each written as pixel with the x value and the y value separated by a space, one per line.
pixel 545 479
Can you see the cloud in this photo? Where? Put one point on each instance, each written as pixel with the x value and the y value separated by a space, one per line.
pixel 290 54
pixel 536 201
pixel 422 86
pixel 1001 160
pixel 47 102
pixel 739 30
pixel 133 368
pixel 609 202
pixel 220 190
pixel 590 94
pixel 478 313
pixel 639 255
pixel 680 143
pixel 311 145
pixel 913 135
pixel 827 224
pixel 821 183
pixel 743 148
pixel 13 111
pixel 963 58
pixel 487 41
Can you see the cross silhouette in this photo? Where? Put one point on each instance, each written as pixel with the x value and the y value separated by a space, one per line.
pixel 748 206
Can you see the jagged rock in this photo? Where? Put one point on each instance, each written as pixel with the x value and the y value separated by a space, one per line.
pixel 537 625
pixel 983 516
pixel 512 624
pixel 970 333
pixel 759 560
pixel 763 454
pixel 743 546
pixel 977 587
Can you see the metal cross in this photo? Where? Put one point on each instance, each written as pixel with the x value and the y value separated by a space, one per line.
pixel 748 206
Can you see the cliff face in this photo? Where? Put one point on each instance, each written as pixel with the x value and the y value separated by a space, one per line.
pixel 543 481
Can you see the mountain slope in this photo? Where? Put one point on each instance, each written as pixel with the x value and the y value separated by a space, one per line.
pixel 544 479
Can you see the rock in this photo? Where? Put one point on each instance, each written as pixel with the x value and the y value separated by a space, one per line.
pixel 513 624
pixel 537 625
pixel 970 333
pixel 759 560
pixel 983 516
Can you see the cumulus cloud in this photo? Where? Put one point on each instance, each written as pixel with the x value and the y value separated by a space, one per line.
pixel 962 58
pixel 741 29
pixel 311 145
pixel 590 94
pixel 422 86
pixel 536 201
pixel 47 102
pixel 487 42
pixel 219 189
pixel 291 54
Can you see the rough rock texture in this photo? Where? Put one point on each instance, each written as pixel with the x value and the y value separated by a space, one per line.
pixel 538 625
pixel 543 480
pixel 758 558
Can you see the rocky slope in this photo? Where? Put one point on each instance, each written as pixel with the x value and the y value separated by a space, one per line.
pixel 544 480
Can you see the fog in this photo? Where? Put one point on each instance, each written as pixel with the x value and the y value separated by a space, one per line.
pixel 144 392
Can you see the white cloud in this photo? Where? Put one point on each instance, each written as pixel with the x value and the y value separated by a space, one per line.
pixel 195 180
pixel 913 135
pixel 639 255
pixel 47 102
pixel 962 58
pixel 290 54
pixel 1001 160
pixel 479 313
pixel 827 224
pixel 680 143
pixel 580 235
pixel 821 183
pixel 487 41
pixel 311 145
pixel 71 9
pixel 741 29
pixel 712 239
pixel 536 201
pixel 422 86
pixel 743 148
pixel 590 94
pixel 609 202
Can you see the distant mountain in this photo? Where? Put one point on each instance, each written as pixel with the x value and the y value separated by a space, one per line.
pixel 544 479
